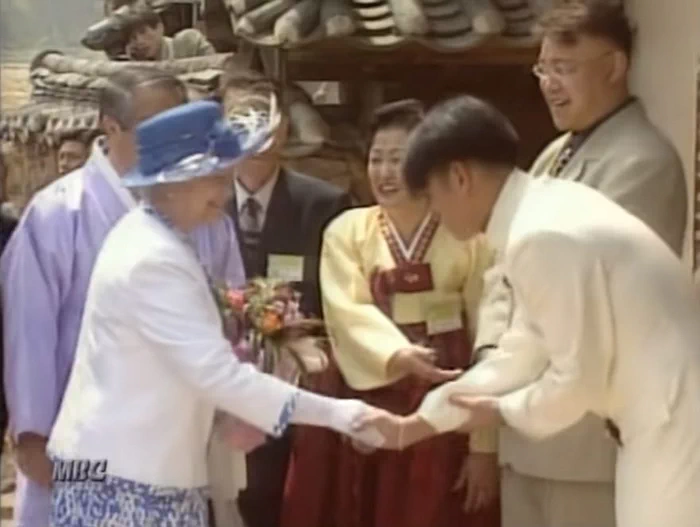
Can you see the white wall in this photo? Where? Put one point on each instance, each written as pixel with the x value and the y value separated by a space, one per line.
pixel 665 73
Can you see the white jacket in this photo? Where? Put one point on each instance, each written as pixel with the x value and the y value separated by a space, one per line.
pixel 607 322
pixel 152 365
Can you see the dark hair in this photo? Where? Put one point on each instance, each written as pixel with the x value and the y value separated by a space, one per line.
pixel 76 136
pixel 566 20
pixel 405 114
pixel 116 96
pixel 461 129
pixel 138 15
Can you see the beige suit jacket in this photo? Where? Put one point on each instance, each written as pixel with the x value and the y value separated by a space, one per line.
pixel 627 159
pixel 185 44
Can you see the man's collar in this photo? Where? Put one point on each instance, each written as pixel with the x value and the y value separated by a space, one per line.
pixel 580 137
pixel 99 157
pixel 505 208
pixel 106 169
pixel 262 195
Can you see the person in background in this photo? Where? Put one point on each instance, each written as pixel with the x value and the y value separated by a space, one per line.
pixel 73 151
pixel 47 264
pixel 401 297
pixel 610 145
pixel 280 216
pixel 7 227
pixel 145 39
pixel 152 355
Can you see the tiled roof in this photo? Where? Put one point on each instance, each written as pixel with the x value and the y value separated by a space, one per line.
pixel 65 92
pixel 441 24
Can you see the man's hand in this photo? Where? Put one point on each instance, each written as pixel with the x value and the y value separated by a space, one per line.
pixel 481 476
pixel 32 459
pixel 398 432
pixel 420 362
pixel 483 411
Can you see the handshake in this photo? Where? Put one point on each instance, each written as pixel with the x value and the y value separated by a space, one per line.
pixel 453 406
pixel 374 428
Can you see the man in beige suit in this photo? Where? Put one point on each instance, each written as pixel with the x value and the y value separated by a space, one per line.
pixel 610 145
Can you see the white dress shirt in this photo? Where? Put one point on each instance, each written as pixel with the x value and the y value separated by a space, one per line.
pixel 262 196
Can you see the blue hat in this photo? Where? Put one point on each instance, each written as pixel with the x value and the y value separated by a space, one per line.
pixel 193 140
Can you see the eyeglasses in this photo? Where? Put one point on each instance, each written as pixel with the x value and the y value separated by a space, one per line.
pixel 562 68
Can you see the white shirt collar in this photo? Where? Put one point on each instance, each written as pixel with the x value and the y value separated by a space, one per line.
pixel 505 208
pixel 262 195
pixel 105 168
pixel 408 250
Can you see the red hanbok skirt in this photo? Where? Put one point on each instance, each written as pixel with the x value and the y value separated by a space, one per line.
pixel 330 484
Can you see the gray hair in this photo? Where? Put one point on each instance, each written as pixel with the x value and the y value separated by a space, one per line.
pixel 116 97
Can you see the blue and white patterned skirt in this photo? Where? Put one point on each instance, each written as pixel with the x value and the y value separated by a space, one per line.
pixel 117 502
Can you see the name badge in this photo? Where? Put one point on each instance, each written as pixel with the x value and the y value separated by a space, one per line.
pixel 413 278
pixel 443 315
pixel 285 267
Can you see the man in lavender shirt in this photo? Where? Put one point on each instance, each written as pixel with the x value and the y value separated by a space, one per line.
pixel 46 268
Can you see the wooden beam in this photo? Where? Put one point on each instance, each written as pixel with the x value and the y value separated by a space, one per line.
pixel 349 63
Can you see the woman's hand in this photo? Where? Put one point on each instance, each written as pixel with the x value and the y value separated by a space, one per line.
pixel 419 362
pixel 398 432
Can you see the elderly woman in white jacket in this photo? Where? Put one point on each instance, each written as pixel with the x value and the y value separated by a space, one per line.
pixel 152 364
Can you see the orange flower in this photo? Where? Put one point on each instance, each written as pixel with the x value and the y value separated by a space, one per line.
pixel 236 299
pixel 271 322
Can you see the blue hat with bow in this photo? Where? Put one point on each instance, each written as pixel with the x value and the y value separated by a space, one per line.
pixel 194 140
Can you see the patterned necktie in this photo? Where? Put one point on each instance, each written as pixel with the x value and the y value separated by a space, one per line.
pixel 250 216
pixel 250 221
pixel 563 159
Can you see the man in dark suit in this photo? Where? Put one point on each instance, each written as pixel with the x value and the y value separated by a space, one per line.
pixel 280 216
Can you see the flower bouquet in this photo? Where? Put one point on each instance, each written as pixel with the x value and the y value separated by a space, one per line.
pixel 267 328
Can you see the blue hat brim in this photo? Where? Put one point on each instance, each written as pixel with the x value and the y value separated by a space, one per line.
pixel 135 178
pixel 251 139
pixel 205 165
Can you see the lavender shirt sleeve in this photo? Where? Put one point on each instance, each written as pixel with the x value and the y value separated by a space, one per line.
pixel 219 253
pixel 35 270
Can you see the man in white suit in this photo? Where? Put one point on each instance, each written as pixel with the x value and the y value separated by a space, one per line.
pixel 606 320
pixel 608 144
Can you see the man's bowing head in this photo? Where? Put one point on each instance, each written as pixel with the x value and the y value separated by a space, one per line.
pixel 460 156
pixel 129 97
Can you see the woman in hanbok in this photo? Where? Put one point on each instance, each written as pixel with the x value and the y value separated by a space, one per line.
pixel 400 297
pixel 152 364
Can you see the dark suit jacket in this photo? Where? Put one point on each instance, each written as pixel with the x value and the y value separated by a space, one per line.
pixel 7 225
pixel 300 208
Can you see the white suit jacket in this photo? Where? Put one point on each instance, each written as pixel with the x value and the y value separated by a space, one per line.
pixel 152 364
pixel 606 320
pixel 631 162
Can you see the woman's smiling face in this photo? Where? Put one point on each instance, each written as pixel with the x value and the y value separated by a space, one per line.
pixel 384 166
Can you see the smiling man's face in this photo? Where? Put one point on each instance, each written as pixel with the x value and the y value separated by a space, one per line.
pixel 577 80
